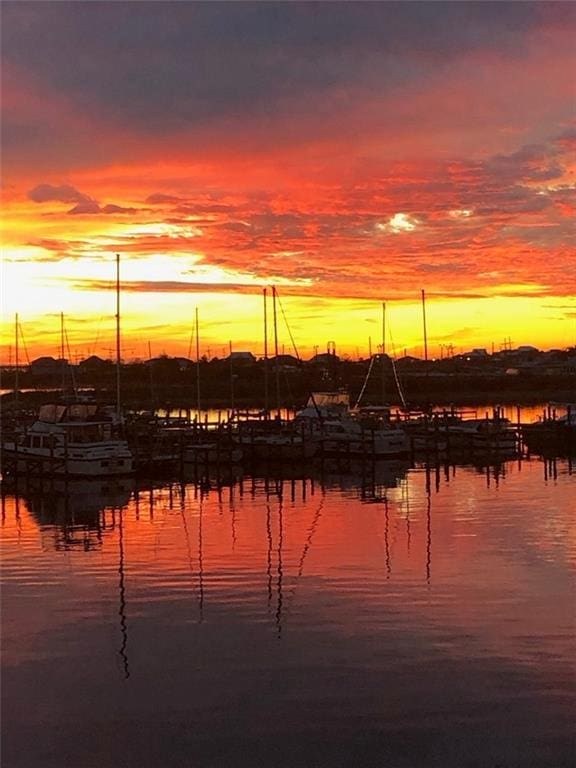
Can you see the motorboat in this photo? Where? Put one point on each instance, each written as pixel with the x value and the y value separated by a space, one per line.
pixel 273 441
pixel 551 433
pixel 79 439
pixel 328 419
pixel 496 434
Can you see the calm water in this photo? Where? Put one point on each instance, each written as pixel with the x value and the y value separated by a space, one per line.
pixel 406 617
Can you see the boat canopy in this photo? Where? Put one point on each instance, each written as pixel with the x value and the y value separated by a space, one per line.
pixel 328 399
pixel 53 413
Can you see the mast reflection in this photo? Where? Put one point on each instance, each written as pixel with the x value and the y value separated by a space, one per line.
pixel 269 553
pixel 123 652
pixel 280 571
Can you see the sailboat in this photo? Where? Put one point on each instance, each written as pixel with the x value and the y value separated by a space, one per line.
pixel 77 439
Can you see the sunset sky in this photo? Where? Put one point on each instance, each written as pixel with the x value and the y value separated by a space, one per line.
pixel 348 153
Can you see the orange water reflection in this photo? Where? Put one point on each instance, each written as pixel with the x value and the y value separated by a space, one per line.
pixel 484 552
pixel 392 608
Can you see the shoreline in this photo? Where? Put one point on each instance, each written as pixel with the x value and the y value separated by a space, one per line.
pixel 136 400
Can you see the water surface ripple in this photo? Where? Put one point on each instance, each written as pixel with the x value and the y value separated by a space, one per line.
pixel 423 618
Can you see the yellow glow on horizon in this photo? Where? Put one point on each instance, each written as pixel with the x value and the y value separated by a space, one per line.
pixel 166 321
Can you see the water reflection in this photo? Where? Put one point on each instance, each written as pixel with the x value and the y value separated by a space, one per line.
pixel 73 512
pixel 122 608
pixel 200 564
pixel 335 611
pixel 280 572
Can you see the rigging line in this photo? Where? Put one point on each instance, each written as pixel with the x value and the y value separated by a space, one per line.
pixel 396 378
pixel 398 386
pixel 97 339
pixel 307 545
pixel 71 367
pixel 365 381
pixel 288 327
pixel 20 330
pixel 190 343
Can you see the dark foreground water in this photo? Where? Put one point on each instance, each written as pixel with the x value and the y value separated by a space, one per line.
pixel 403 617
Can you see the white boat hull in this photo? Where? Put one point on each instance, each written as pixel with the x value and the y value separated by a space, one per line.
pixel 100 463
pixel 278 448
pixel 373 446
pixel 212 453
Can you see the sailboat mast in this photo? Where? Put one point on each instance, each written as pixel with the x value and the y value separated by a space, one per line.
pixel 266 396
pixel 62 351
pixel 151 369
pixel 197 366
pixel 424 327
pixel 383 353
pixel 231 378
pixel 118 336
pixel 277 362
pixel 17 364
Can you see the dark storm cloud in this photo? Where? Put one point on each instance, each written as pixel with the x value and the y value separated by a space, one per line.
pixel 158 198
pixel 530 163
pixel 85 207
pixel 92 207
pixel 166 286
pixel 159 64
pixel 63 193
pixel 111 208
